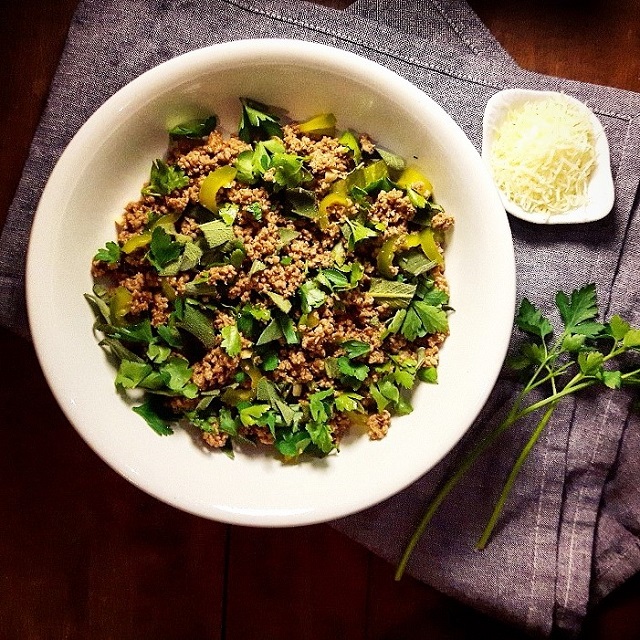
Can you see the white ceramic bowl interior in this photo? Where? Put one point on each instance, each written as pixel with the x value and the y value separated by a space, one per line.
pixel 104 167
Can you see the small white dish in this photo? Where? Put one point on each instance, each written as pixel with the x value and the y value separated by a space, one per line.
pixel 600 190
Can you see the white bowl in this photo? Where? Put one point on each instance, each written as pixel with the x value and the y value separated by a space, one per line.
pixel 103 168
pixel 600 190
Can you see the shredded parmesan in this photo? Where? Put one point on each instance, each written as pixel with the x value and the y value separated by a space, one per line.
pixel 543 155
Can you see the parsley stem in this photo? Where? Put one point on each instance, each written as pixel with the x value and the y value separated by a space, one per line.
pixel 569 388
pixel 452 481
pixel 514 415
pixel 513 474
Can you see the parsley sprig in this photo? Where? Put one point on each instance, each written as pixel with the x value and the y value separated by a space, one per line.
pixel 585 354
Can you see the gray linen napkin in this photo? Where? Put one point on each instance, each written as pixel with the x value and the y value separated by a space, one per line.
pixel 538 569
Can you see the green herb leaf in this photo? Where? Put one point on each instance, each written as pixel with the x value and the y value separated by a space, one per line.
pixel 531 320
pixel 433 320
pixel 158 353
pixel 164 179
pixel 110 254
pixel 270 333
pixel 631 339
pixel 270 361
pixel 348 401
pixel 216 233
pixel 250 415
pixel 228 424
pixel 618 328
pixel 320 404
pixel 311 296
pixel 280 301
pixel 163 249
pixel 196 128
pixel 231 340
pixel 428 374
pixel 289 171
pixel 190 257
pixel 131 374
pixel 355 232
pixel 255 210
pixel 579 308
pixel 256 122
pixel 391 292
pixel 320 433
pixel 611 379
pixel 148 410
pixel 176 374
pixel 199 325
pixel 352 369
pixel 292 444
pixel 415 262
pixel 355 348
pixel 590 362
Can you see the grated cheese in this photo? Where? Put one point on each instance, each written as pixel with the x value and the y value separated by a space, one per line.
pixel 543 155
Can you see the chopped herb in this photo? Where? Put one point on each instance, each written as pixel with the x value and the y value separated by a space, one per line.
pixel 216 233
pixel 255 210
pixel 256 122
pixel 163 250
pixel 197 128
pixel 148 411
pixel 355 348
pixel 231 340
pixel 392 292
pixel 164 179
pixel 110 254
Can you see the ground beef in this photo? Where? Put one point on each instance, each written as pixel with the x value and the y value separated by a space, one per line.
pixel 276 251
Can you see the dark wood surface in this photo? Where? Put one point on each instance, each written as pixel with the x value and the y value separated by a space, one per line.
pixel 83 554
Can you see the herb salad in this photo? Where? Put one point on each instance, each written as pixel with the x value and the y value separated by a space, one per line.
pixel 280 285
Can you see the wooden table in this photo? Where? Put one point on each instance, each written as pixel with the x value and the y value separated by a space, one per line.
pixel 84 554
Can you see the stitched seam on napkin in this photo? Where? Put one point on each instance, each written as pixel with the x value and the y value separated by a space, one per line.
pixel 454 26
pixel 356 8
pixel 365 45
pixel 451 72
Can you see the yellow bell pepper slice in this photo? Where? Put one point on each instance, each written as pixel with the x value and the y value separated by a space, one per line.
pixel 120 305
pixel 411 178
pixel 253 372
pixel 221 177
pixel 136 242
pixel 349 140
pixel 373 172
pixel 386 255
pixel 324 204
pixel 430 246
pixel 233 397
pixel 323 124
pixel 167 221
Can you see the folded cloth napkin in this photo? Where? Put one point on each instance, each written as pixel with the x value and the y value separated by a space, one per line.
pixel 612 551
pixel 568 535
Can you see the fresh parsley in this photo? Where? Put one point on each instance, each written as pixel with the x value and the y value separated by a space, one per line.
pixel 109 254
pixel 256 123
pixel 196 128
pixel 585 354
pixel 164 179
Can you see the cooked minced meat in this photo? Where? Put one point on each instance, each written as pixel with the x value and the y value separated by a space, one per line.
pixel 276 285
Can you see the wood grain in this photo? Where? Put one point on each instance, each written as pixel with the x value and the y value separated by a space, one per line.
pixel 84 554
